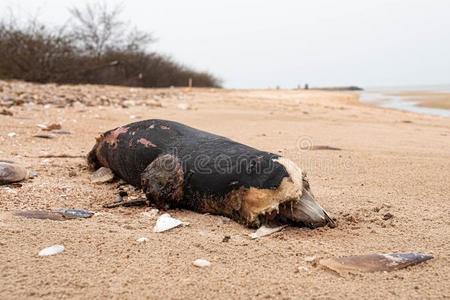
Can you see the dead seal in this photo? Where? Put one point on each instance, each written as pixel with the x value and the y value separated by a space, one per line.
pixel 178 166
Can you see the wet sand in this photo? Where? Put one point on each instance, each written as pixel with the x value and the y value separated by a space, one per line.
pixel 391 162
pixel 428 99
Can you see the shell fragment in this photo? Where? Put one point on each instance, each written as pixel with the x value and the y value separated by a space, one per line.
pixel 11 172
pixel 102 175
pixel 166 222
pixel 52 250
pixel 201 263
pixel 374 262
pixel 263 231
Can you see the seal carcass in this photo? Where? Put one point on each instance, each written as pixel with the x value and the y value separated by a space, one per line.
pixel 183 167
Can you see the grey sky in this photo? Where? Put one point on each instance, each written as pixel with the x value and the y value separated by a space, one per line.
pixel 251 43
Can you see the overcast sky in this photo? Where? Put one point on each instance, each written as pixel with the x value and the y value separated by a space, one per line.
pixel 265 43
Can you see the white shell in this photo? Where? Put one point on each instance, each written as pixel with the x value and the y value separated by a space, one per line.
pixel 166 222
pixel 184 106
pixel 142 240
pixel 263 231
pixel 102 175
pixel 52 250
pixel 201 263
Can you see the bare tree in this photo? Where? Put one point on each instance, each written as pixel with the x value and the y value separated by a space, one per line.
pixel 98 29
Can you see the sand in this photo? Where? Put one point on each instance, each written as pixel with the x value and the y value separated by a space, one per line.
pixel 391 162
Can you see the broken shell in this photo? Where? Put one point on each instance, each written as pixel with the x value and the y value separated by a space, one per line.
pixel 201 263
pixel 44 136
pixel 166 222
pixel 151 214
pixel 75 213
pixel 374 262
pixel 50 127
pixel 52 250
pixel 40 214
pixel 263 231
pixel 309 259
pixel 102 175
pixel 142 240
pixel 11 172
pixel 184 106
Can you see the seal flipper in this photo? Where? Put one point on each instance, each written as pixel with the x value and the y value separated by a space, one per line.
pixel 162 181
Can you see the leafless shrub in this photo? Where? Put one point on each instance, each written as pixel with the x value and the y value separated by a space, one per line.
pixel 96 47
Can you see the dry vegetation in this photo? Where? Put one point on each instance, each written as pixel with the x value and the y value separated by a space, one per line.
pixel 95 47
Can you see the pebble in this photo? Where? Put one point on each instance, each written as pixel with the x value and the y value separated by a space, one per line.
pixel 309 258
pixel 388 216
pixel 201 263
pixel 142 240
pixel 52 250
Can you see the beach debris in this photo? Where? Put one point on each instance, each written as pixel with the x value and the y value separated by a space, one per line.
pixel 226 239
pixel 58 156
pixel 166 222
pixel 61 214
pixel 11 172
pixel 61 132
pixel 320 147
pixel 388 216
pixel 184 106
pixel 41 214
pixel 201 263
pixel 310 259
pixel 12 134
pixel 102 175
pixel 52 250
pixel 264 231
pixel 44 136
pixel 301 269
pixel 70 213
pixel 129 203
pixel 151 214
pixel 6 112
pixel 374 262
pixel 50 127
pixel 142 240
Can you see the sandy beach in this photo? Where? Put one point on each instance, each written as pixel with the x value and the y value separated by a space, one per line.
pixel 390 162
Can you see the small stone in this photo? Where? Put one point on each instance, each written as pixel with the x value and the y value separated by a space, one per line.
pixel 6 112
pixel 226 239
pixel 52 250
pixel 309 259
pixel 11 172
pixel 388 216
pixel 12 134
pixel 142 240
pixel 72 173
pixel 184 106
pixel 201 263
pixel 53 126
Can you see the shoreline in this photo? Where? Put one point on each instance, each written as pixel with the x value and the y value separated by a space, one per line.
pixel 423 102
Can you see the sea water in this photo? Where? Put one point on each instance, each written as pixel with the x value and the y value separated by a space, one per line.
pixel 381 97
